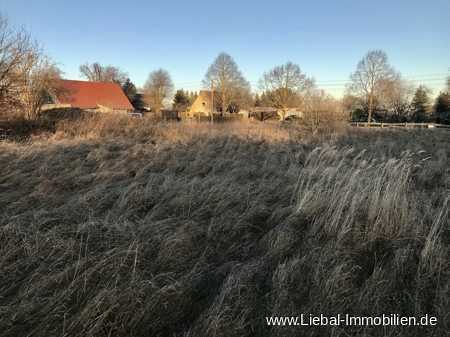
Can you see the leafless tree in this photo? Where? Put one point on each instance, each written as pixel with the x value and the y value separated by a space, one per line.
pixel 320 109
pixel 225 77
pixel 15 49
pixel 158 89
pixel 27 76
pixel 40 84
pixel 284 85
pixel 367 81
pixel 97 73
pixel 395 97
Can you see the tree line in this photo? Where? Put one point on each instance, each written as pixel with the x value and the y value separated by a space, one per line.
pixel 284 87
pixel 376 91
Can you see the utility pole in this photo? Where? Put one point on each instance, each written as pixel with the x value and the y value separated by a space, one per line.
pixel 212 102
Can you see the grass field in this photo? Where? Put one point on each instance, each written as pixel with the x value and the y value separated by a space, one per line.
pixel 111 228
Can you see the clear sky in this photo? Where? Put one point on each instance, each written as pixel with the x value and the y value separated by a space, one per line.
pixel 326 38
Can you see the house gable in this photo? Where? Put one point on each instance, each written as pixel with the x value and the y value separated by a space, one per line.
pixel 203 104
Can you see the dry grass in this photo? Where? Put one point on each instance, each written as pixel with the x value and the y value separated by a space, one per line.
pixel 148 129
pixel 132 228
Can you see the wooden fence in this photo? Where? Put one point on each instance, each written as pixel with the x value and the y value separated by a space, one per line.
pixel 401 125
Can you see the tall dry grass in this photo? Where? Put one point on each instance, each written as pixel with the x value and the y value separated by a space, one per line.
pixel 131 228
pixel 97 126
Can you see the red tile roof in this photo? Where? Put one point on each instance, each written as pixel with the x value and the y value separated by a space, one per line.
pixel 89 95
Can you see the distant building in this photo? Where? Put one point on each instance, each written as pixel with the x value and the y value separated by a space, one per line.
pixel 263 113
pixel 290 113
pixel 90 96
pixel 202 105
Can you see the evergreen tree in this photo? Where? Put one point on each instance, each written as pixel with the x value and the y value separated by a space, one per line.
pixel 420 105
pixel 129 89
pixel 181 100
pixel 442 108
pixel 138 102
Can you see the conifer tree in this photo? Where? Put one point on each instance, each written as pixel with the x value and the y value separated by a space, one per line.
pixel 181 100
pixel 420 105
pixel 442 108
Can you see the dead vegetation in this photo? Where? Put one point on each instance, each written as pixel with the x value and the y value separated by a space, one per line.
pixel 114 228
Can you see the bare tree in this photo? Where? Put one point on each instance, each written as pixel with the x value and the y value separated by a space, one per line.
pixel 27 76
pixel 284 85
pixel 158 89
pixel 41 83
pixel 95 72
pixel 395 97
pixel 321 109
pixel 225 77
pixel 15 48
pixel 371 72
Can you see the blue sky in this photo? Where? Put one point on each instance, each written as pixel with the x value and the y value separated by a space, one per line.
pixel 326 38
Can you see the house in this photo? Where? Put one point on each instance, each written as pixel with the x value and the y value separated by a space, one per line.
pixel 203 105
pixel 90 96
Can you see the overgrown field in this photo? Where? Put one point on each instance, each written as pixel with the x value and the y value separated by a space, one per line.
pixel 193 230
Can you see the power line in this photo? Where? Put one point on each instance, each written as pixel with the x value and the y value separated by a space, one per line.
pixel 431 81
pixel 422 78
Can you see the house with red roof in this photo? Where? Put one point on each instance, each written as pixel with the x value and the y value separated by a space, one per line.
pixel 90 96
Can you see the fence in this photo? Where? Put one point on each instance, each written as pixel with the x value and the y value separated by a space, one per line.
pixel 401 125
pixel 218 118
